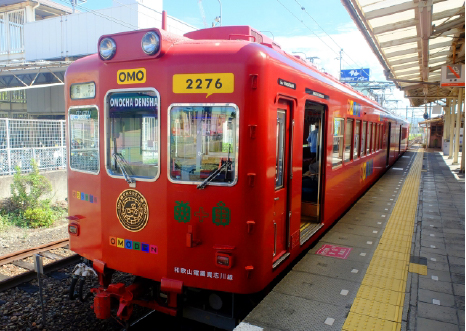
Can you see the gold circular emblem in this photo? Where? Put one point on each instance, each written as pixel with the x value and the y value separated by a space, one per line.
pixel 132 210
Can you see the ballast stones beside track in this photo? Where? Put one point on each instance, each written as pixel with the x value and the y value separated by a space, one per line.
pixel 376 286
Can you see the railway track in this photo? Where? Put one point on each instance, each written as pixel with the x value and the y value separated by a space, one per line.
pixel 52 259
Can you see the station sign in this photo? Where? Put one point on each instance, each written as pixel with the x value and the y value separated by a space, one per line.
pixel 355 75
pixel 452 75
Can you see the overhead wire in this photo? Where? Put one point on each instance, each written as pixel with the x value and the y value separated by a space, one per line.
pixel 109 18
pixel 302 22
pixel 307 13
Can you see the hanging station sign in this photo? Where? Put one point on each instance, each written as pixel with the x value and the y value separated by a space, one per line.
pixel 452 75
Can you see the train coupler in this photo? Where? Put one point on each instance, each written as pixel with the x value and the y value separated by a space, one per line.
pixel 127 297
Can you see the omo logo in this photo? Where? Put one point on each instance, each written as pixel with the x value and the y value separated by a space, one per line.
pixel 131 76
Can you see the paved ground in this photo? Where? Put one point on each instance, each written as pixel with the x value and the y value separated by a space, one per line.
pixel 436 301
pixel 321 292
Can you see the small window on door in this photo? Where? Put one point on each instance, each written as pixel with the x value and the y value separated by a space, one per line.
pixel 348 139
pixel 280 149
pixel 374 135
pixel 380 136
pixel 369 131
pixel 338 132
pixel 363 138
pixel 356 140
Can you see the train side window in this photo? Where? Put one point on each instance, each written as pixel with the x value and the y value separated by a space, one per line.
pixel 338 132
pixel 363 138
pixel 280 149
pixel 369 132
pixel 377 137
pixel 84 139
pixel 374 134
pixel 356 140
pixel 203 144
pixel 348 139
pixel 133 138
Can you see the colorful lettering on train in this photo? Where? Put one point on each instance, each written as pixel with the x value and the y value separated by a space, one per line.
pixel 366 169
pixel 134 245
pixel 353 108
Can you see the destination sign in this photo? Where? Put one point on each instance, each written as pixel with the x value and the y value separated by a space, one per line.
pixel 133 101
pixel 285 83
pixel 316 94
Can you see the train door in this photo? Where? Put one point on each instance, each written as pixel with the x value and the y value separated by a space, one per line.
pixel 282 168
pixel 389 134
pixel 311 190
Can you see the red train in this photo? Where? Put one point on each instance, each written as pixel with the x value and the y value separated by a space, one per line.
pixel 204 164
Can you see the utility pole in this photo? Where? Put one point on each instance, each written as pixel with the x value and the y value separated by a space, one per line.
pixel 341 51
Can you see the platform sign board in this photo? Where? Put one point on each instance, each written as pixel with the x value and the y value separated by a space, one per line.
pixel 334 251
pixel 355 75
pixel 436 110
pixel 452 75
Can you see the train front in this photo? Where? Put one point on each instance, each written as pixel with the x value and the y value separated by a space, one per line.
pixel 153 173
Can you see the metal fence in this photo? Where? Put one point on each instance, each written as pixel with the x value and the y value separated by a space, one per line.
pixel 22 140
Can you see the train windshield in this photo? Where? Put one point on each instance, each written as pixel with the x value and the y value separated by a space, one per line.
pixel 84 139
pixel 132 136
pixel 203 144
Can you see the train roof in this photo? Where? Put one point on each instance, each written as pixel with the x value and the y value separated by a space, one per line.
pixel 247 33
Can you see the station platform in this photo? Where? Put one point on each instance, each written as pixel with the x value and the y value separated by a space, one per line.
pixel 397 262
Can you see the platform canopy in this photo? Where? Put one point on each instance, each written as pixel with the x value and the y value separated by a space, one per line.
pixel 412 40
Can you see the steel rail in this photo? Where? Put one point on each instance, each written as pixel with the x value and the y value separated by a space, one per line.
pixel 19 255
pixel 9 282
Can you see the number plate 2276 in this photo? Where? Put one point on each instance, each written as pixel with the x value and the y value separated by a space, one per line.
pixel 204 83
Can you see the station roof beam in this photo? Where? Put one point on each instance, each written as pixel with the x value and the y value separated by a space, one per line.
pixel 412 40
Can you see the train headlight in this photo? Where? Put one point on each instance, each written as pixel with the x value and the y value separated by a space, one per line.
pixel 150 43
pixel 107 48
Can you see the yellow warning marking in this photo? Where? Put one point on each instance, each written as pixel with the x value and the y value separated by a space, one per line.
pixel 381 295
pixel 418 268
pixel 357 322
pixel 382 254
pixel 383 282
pixel 387 272
pixel 379 302
pixel 389 263
pixel 380 310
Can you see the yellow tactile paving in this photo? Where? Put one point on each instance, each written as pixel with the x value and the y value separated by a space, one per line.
pixel 387 272
pixel 379 302
pixel 384 311
pixel 383 254
pixel 383 282
pixel 358 322
pixel 418 268
pixel 389 263
pixel 381 295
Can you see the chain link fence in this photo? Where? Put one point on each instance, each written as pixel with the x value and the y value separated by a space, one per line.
pixel 22 140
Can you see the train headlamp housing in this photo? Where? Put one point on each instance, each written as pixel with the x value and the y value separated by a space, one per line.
pixel 150 43
pixel 107 48
pixel 73 229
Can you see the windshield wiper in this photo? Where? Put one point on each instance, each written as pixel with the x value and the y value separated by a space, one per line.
pixel 122 163
pixel 213 175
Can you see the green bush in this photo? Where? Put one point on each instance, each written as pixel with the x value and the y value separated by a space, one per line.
pixel 39 217
pixel 28 191
pixel 29 205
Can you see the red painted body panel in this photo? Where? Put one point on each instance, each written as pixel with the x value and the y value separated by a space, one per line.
pixel 257 106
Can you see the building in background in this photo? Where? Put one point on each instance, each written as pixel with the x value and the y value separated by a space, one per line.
pixel 39 39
